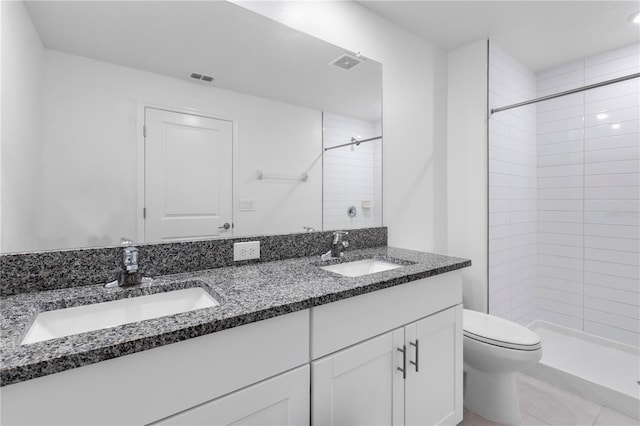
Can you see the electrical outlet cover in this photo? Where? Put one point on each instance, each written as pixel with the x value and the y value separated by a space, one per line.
pixel 246 250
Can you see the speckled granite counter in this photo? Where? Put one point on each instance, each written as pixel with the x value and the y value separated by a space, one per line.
pixel 247 293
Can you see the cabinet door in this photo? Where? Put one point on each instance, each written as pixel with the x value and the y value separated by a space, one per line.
pixel 360 385
pixel 282 400
pixel 434 386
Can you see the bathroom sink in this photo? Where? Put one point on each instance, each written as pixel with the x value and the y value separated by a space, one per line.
pixel 358 268
pixel 80 319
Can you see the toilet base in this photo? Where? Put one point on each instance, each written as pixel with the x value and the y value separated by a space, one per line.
pixel 491 395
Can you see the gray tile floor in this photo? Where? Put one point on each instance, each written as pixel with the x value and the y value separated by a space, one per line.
pixel 544 404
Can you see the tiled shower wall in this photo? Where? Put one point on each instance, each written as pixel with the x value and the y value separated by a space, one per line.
pixel 352 175
pixel 513 217
pixel 587 175
pixel 588 180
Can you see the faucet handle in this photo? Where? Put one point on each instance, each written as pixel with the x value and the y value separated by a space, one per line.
pixel 126 242
pixel 337 236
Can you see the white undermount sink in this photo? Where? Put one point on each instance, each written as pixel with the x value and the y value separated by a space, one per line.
pixel 80 319
pixel 358 268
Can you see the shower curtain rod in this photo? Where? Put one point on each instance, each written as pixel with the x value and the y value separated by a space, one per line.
pixel 354 141
pixel 567 92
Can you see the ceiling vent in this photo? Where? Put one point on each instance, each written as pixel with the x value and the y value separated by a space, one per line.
pixel 202 77
pixel 346 62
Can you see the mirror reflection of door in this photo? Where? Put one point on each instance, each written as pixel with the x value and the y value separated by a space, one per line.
pixel 188 175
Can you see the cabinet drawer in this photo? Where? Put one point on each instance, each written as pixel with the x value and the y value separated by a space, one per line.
pixel 346 322
pixel 282 400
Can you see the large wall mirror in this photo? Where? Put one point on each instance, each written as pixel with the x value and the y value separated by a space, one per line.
pixel 169 121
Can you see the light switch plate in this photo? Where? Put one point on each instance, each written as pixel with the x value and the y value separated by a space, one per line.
pixel 247 205
pixel 246 251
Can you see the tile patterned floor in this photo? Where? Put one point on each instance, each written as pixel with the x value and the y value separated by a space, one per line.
pixel 543 404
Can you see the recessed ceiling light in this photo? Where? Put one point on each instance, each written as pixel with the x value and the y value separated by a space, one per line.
pixel 602 116
pixel 615 126
pixel 635 18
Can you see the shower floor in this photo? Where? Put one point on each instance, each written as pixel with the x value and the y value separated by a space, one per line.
pixel 602 370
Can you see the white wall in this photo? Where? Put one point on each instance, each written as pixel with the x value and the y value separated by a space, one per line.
pixel 467 167
pixel 351 174
pixel 414 116
pixel 22 62
pixel 513 208
pixel 90 127
pixel 589 197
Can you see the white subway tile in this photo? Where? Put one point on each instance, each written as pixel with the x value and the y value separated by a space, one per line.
pixel 614 333
pixel 612 193
pixel 499 193
pixel 560 194
pixel 560 250
pixel 498 271
pixel 524 228
pixel 560 181
pixel 560 159
pixel 614 269
pixel 613 320
pixel 559 216
pixel 613 154
pixel 609 243
pixel 617 90
pixel 612 231
pixel 614 103
pixel 553 272
pixel 617 179
pixel 559 307
pixel 612 256
pixel 611 281
pixel 615 129
pixel 560 318
pixel 561 262
pixel 561 148
pixel 523 216
pixel 564 205
pixel 612 116
pixel 560 296
pixel 612 294
pixel 560 284
pixel 612 167
pixel 632 49
pixel 557 171
pixel 612 217
pixel 613 207
pixel 561 227
pixel 561 239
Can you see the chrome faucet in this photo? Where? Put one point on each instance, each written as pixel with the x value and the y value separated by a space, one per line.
pixel 129 274
pixel 338 245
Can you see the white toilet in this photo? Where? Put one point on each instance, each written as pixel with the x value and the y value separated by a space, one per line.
pixel 494 350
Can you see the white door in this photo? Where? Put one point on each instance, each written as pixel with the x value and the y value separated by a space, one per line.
pixel 188 176
pixel 360 385
pixel 282 401
pixel 434 386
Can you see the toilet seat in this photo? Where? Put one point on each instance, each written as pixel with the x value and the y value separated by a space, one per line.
pixel 498 331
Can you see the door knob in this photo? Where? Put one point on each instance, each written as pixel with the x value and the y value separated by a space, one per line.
pixel 225 226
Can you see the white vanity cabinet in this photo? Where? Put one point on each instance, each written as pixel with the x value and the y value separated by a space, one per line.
pixel 409 375
pixel 155 384
pixel 282 400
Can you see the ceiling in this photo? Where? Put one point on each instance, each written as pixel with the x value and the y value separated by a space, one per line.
pixel 540 34
pixel 244 51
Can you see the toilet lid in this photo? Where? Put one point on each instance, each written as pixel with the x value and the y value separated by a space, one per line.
pixel 498 331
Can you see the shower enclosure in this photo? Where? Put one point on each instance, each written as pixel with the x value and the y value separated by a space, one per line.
pixel 564 222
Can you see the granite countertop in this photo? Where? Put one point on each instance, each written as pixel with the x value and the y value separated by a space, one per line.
pixel 247 293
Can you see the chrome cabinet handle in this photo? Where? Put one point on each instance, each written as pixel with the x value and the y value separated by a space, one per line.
pixel 416 345
pixel 404 361
pixel 225 226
